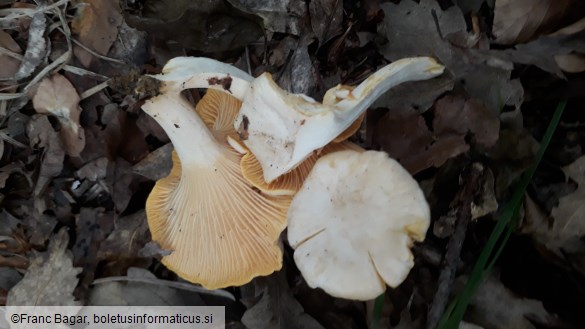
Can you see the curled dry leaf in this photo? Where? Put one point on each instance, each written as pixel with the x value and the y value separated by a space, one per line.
pixel 55 95
pixel 96 24
pixel 36 47
pixel 41 135
pixel 519 21
pixel 572 63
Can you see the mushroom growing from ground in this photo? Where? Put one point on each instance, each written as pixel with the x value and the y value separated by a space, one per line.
pixel 283 129
pixel 221 230
pixel 353 222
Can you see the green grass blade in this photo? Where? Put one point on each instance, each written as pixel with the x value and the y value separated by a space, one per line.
pixel 482 268
pixel 377 312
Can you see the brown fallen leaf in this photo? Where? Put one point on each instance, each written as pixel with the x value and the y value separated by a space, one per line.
pixel 123 184
pixel 157 164
pixel 277 307
pixel 520 21
pixel 92 226
pixel 128 237
pixel 569 217
pixel 420 95
pixel 286 16
pixel 96 24
pixel 41 135
pixel 575 62
pixel 457 115
pixel 372 9
pixel 510 157
pixel 94 170
pixel 326 18
pixel 9 65
pixel 50 278
pixel 55 95
pixel 148 126
pixel 403 134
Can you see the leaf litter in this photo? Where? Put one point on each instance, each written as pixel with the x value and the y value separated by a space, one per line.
pixel 85 170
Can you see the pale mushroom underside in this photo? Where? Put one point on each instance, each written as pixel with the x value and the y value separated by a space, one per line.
pixel 221 230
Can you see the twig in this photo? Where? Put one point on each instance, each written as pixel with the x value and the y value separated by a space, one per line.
pixel 93 90
pixel 248 61
pixel 471 180
pixel 93 52
pixel 16 13
pixel 171 284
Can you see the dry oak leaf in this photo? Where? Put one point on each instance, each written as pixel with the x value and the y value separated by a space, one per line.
pixel 50 279
pixel 562 234
pixel 96 24
pixel 455 114
pixel 404 135
pixel 55 95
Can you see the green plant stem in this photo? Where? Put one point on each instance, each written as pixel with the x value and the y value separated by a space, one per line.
pixel 454 314
pixel 377 312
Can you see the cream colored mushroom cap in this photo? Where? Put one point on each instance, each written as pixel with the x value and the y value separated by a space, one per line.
pixel 353 222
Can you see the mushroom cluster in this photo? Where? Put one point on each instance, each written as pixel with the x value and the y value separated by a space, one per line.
pixel 251 159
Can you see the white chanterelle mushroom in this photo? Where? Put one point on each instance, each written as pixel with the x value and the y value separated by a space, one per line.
pixel 220 229
pixel 283 129
pixel 353 222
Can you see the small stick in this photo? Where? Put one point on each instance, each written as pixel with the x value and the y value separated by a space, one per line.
pixel 471 185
